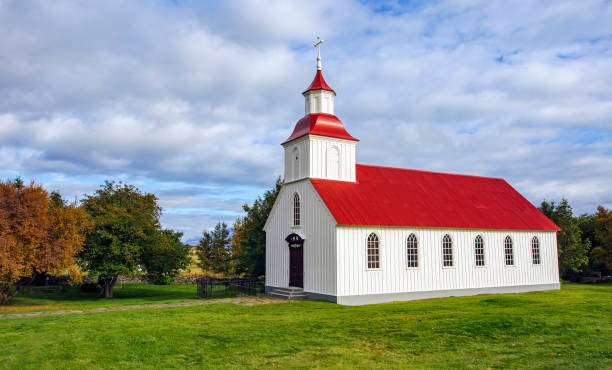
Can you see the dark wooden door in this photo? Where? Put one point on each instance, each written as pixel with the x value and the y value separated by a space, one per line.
pixel 296 266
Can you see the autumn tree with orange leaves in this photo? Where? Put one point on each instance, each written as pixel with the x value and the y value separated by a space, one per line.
pixel 38 235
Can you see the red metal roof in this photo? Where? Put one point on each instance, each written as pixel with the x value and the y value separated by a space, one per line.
pixel 322 124
pixel 319 84
pixel 385 196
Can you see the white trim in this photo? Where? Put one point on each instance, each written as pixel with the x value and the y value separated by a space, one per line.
pixel 357 300
pixel 367 262
pixel 511 250
pixel 452 251
pixel 411 227
pixel 299 211
pixel 274 206
pixel 484 255
pixel 418 252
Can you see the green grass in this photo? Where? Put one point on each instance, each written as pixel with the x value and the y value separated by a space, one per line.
pixel 124 295
pixel 571 328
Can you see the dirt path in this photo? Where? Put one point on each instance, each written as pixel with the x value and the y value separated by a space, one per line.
pixel 244 301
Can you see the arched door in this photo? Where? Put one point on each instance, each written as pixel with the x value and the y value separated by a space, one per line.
pixel 296 260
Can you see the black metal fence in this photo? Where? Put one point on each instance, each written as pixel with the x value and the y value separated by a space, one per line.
pixel 209 287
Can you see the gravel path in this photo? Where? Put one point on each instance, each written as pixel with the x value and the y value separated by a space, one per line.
pixel 245 301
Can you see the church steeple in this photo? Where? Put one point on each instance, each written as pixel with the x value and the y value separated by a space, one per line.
pixel 319 147
pixel 319 96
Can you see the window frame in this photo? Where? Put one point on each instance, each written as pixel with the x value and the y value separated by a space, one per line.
pixel 452 252
pixel 295 163
pixel 416 254
pixel 378 252
pixel 537 244
pixel 296 215
pixel 512 256
pixel 482 251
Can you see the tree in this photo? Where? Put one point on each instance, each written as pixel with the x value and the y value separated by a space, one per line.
pixel 602 253
pixel 249 239
pixel 573 251
pixel 165 256
pixel 214 252
pixel 38 235
pixel 125 222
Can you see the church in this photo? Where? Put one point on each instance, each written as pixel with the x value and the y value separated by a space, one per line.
pixel 359 234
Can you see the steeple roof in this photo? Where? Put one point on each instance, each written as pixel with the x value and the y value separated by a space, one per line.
pixel 319 84
pixel 320 124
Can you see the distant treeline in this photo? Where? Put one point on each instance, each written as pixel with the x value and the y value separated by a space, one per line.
pixel 584 242
pixel 116 231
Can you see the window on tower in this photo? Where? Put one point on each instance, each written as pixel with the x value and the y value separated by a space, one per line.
pixel 333 163
pixel 295 160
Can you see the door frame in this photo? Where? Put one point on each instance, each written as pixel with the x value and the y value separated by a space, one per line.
pixel 295 241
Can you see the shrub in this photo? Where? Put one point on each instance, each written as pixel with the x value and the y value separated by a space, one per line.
pixel 90 288
pixel 164 280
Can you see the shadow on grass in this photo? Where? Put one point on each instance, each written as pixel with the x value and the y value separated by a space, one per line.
pixel 124 294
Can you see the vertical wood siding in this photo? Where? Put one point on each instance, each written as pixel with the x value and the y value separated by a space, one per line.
pixel 394 277
pixel 313 158
pixel 318 228
pixel 303 147
pixel 318 157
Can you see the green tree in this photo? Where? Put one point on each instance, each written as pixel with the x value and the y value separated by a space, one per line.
pixel 214 250
pixel 249 239
pixel 165 256
pixel 125 222
pixel 573 251
pixel 601 255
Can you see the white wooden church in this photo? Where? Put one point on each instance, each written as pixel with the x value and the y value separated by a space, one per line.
pixel 358 234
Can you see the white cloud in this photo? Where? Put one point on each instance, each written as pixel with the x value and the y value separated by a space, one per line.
pixel 201 94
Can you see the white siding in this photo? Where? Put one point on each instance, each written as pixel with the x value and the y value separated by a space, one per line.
pixel 320 148
pixel 318 228
pixel 394 277
pixel 302 147
pixel 313 158
pixel 319 101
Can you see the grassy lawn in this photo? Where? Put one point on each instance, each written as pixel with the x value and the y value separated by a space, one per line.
pixel 571 328
pixel 125 294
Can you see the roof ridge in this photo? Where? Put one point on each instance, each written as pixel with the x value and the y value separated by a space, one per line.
pixel 433 172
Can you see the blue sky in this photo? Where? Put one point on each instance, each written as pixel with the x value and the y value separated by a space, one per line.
pixel 190 100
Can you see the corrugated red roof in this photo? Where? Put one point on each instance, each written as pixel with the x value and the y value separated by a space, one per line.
pixel 322 124
pixel 319 83
pixel 385 196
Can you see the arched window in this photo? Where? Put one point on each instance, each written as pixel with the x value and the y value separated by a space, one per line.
pixel 412 251
pixel 447 251
pixel 295 160
pixel 296 209
pixel 535 250
pixel 333 163
pixel 479 251
pixel 508 251
pixel 373 252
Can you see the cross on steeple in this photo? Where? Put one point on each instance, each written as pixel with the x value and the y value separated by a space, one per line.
pixel 318 46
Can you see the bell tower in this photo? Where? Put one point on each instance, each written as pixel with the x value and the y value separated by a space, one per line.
pixel 319 147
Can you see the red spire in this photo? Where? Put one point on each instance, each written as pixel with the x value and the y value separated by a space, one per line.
pixel 319 83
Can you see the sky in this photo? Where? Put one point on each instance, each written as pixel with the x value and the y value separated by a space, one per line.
pixel 190 100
